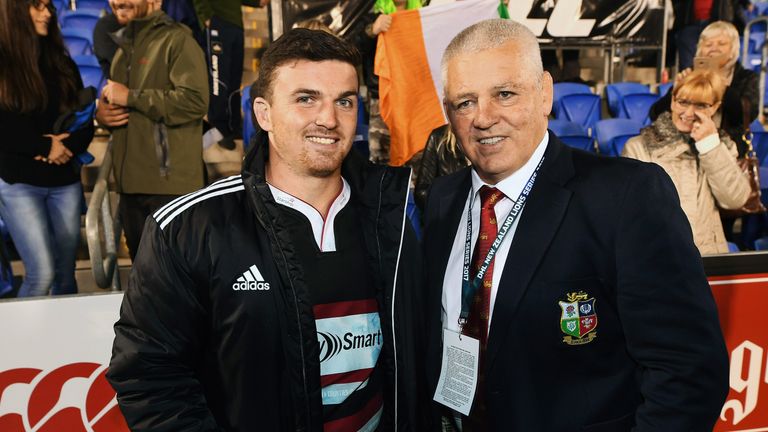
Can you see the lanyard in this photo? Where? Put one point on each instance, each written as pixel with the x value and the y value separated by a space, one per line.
pixel 468 288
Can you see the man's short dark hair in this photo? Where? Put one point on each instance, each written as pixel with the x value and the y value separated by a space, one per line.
pixel 301 44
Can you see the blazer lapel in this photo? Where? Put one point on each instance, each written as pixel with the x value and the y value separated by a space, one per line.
pixel 454 192
pixel 539 221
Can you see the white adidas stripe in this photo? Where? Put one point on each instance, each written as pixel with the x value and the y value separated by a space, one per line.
pixel 225 182
pixel 256 273
pixel 200 198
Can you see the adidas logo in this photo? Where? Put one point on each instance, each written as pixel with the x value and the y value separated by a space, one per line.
pixel 251 280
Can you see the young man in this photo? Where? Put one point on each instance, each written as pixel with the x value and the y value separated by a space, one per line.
pixel 285 298
pixel 154 105
pixel 591 311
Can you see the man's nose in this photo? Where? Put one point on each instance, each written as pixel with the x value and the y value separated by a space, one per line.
pixel 486 115
pixel 326 115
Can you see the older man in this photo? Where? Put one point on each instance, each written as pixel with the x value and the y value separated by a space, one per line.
pixel 588 308
pixel 285 298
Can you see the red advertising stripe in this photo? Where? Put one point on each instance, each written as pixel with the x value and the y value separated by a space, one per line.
pixel 346 377
pixel 346 308
pixel 354 422
pixel 741 303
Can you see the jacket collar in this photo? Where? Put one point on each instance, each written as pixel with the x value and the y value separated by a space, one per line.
pixel 135 28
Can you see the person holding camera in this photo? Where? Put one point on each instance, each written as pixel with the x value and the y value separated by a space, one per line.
pixel 700 159
pixel 718 50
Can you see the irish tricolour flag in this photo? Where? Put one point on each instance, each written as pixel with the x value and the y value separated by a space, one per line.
pixel 408 64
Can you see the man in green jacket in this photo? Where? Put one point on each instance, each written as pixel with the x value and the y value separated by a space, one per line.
pixel 154 105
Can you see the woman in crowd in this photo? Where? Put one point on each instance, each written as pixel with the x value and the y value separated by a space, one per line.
pixel 700 160
pixel 719 42
pixel 40 191
pixel 441 156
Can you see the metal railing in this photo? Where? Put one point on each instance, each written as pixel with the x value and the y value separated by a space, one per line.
pixel 102 230
pixel 763 57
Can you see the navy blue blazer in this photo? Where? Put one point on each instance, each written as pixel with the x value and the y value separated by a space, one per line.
pixel 604 320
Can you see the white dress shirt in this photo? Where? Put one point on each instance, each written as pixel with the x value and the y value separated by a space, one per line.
pixel 511 186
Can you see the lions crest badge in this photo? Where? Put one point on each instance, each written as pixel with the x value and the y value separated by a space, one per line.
pixel 579 318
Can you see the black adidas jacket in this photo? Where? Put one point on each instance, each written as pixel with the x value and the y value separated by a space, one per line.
pixel 191 353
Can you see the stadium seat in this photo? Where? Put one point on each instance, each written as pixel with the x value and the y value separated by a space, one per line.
pixel 80 19
pixel 761 244
pixel 566 88
pixel 636 106
pixel 86 60
pixel 566 128
pixel 92 5
pixel 760 144
pixel 248 127
pixel 78 41
pixel 614 92
pixel 572 134
pixel 612 134
pixel 92 76
pixel 733 247
pixel 583 109
pixel 663 88
pixel 761 8
pixel 756 126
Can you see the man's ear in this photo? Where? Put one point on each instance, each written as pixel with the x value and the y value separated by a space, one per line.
pixel 262 111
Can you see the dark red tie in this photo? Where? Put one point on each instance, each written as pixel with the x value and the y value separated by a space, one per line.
pixel 477 322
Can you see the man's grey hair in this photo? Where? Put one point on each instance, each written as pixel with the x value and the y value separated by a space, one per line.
pixel 493 33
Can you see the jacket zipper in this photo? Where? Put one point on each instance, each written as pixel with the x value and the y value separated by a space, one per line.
pixel 394 280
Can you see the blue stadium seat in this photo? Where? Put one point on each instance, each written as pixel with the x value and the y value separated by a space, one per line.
pixel 760 144
pixel 583 109
pixel 92 4
pixel 761 8
pixel 733 247
pixel 92 76
pixel 413 214
pixel 248 127
pixel 572 134
pixel 636 106
pixel 612 134
pixel 78 41
pixel 614 92
pixel 663 88
pixel 566 88
pixel 86 60
pixel 80 19
pixel 756 126
pixel 761 244
pixel 566 128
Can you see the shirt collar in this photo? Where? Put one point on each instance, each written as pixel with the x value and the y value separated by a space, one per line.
pixel 514 184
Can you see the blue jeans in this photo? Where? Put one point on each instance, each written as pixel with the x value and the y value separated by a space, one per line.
pixel 44 223
pixel 687 39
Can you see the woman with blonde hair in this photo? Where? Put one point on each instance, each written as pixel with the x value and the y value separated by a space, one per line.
pixel 700 159
pixel 718 47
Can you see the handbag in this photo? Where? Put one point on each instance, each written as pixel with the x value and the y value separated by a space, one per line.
pixel 749 166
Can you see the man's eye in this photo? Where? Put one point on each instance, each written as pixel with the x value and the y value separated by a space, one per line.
pixel 346 103
pixel 463 104
pixel 505 94
pixel 304 99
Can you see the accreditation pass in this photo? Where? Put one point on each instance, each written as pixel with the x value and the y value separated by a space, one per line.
pixel 458 373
